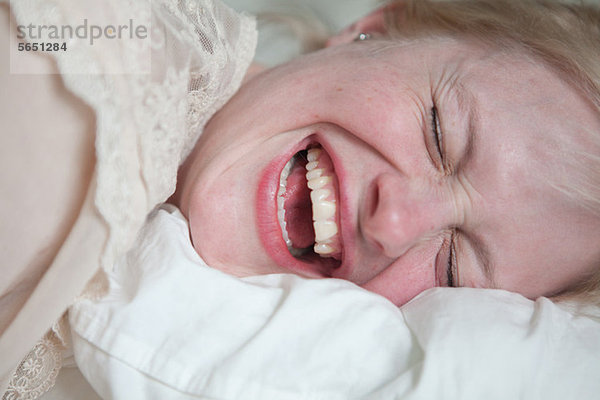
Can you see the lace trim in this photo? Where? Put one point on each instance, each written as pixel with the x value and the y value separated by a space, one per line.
pixel 37 373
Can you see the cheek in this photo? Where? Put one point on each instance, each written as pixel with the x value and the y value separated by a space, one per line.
pixel 391 127
pixel 220 212
pixel 206 212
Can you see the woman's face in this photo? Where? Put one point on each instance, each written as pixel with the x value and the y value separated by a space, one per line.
pixel 421 200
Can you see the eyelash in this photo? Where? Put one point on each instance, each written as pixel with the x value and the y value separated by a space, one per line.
pixel 439 144
pixel 451 267
pixel 437 132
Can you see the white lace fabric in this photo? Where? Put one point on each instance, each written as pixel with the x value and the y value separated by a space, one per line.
pixel 37 372
pixel 146 123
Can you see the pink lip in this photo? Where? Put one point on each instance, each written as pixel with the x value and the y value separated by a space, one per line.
pixel 268 225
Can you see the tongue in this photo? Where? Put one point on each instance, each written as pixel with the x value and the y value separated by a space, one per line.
pixel 298 208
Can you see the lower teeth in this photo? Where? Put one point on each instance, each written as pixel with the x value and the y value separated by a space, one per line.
pixel 280 205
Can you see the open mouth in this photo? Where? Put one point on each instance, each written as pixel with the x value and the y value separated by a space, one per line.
pixel 308 208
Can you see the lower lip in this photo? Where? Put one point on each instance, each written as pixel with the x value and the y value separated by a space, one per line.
pixel 268 224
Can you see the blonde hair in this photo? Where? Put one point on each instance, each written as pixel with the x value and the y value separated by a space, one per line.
pixel 564 36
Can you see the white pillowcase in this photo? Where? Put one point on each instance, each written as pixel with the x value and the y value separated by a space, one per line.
pixel 173 328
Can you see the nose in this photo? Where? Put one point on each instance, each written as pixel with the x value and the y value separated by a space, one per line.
pixel 400 211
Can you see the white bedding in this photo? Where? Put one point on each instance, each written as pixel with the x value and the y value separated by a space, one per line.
pixel 173 328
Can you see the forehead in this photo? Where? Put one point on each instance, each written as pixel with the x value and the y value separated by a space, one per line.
pixel 529 121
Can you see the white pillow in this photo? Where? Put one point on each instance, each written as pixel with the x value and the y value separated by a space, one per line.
pixel 173 328
pixel 492 344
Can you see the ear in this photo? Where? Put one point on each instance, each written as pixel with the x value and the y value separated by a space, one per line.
pixel 371 23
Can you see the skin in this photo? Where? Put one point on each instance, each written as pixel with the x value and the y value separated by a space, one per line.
pixel 404 203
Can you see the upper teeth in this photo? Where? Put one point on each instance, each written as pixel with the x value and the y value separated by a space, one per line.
pixel 323 205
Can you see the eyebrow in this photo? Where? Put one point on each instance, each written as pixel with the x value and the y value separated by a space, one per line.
pixel 468 105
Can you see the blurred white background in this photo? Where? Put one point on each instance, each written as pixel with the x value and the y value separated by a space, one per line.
pixel 285 24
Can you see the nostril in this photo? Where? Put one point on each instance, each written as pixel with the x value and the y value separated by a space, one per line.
pixel 373 200
pixel 370 225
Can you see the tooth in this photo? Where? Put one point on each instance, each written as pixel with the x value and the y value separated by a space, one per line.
pixel 312 165
pixel 286 170
pixel 318 183
pixel 319 195
pixel 324 230
pixel 280 205
pixel 323 248
pixel 323 210
pixel 323 205
pixel 313 154
pixel 315 173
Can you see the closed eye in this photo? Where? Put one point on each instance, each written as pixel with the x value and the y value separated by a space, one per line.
pixel 452 267
pixel 437 132
pixel 434 139
pixel 438 140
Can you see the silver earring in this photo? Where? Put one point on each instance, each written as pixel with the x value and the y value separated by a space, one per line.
pixel 362 37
